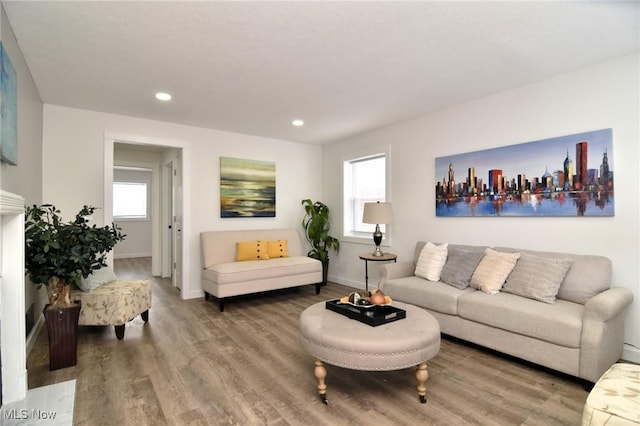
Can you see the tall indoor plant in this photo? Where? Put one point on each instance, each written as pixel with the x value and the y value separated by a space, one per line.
pixel 58 254
pixel 316 224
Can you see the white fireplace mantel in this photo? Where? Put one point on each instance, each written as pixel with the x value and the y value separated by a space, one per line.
pixel 12 298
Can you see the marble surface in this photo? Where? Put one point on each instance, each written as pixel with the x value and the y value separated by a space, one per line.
pixel 49 405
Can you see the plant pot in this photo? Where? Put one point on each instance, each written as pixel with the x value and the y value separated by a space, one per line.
pixel 62 326
pixel 325 271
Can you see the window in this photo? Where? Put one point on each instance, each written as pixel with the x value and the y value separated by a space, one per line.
pixel 365 181
pixel 130 200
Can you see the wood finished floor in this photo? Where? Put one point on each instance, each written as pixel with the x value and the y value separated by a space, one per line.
pixel 191 364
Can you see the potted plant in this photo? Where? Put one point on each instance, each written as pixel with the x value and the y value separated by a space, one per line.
pixel 57 255
pixel 316 226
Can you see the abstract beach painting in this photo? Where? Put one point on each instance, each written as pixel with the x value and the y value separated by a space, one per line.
pixel 247 188
pixel 8 110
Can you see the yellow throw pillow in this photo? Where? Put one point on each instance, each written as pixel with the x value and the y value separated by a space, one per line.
pixel 252 250
pixel 278 248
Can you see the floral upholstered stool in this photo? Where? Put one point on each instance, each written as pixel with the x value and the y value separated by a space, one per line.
pixel 115 303
pixel 615 398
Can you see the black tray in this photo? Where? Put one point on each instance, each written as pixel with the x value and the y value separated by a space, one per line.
pixel 373 315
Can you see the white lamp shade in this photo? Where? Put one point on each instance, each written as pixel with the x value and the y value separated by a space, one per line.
pixel 377 213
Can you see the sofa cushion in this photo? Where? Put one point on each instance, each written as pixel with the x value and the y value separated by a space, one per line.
pixel 559 323
pixel 233 272
pixel 588 276
pixel 435 296
pixel 278 248
pixel 493 270
pixel 461 262
pixel 431 261
pixel 537 277
pixel 252 250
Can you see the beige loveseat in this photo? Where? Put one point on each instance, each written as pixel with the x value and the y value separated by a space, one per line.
pixel 579 331
pixel 223 275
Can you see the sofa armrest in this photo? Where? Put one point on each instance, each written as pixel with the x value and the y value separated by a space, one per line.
pixel 602 340
pixel 390 271
pixel 606 305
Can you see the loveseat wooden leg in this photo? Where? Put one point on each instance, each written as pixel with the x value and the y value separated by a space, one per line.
pixel 119 331
pixel 221 305
pixel 145 316
pixel 318 288
pixel 206 296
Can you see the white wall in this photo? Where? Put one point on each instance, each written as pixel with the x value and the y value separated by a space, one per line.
pixel 24 179
pixel 597 97
pixel 73 157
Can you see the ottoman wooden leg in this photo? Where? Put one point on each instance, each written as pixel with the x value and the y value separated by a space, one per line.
pixel 119 331
pixel 422 375
pixel 321 374
pixel 145 316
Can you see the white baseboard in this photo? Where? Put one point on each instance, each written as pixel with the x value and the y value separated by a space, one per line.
pixel 631 353
pixel 33 335
pixel 345 282
pixel 131 255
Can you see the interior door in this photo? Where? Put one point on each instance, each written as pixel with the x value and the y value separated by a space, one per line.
pixel 177 222
pixel 167 220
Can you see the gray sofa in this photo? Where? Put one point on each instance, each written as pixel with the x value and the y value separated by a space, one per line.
pixel 223 276
pixel 579 333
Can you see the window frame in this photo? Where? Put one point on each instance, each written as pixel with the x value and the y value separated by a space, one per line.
pixel 363 237
pixel 129 181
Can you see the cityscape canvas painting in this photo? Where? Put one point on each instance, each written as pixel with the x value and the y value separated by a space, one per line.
pixel 8 110
pixel 565 176
pixel 247 188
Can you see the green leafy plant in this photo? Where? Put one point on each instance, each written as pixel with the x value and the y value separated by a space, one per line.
pixel 58 254
pixel 316 226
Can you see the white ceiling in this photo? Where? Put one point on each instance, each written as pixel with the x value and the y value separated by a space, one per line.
pixel 343 67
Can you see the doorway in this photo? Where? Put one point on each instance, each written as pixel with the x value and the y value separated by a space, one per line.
pixel 168 253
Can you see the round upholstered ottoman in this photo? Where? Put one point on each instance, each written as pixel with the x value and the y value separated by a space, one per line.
pixel 338 340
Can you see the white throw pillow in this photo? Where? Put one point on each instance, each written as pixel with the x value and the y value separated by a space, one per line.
pixel 493 270
pixel 431 261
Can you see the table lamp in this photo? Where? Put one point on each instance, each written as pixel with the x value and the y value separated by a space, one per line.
pixel 377 213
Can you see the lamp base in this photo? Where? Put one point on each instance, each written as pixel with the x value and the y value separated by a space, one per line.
pixel 377 239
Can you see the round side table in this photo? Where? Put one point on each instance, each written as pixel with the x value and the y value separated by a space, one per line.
pixel 370 257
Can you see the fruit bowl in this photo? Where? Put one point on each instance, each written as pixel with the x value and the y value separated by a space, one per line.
pixel 362 299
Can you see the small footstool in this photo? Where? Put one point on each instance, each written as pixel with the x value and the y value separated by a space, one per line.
pixel 615 398
pixel 115 303
pixel 338 340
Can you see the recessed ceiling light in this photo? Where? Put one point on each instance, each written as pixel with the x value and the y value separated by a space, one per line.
pixel 161 96
pixel 297 123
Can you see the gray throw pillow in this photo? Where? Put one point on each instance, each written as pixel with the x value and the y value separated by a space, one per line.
pixel 537 277
pixel 460 266
pixel 97 278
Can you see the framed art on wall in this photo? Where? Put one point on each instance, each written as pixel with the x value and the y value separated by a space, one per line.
pixel 564 176
pixel 8 110
pixel 247 188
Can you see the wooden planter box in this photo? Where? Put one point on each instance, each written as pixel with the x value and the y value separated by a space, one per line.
pixel 62 325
